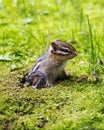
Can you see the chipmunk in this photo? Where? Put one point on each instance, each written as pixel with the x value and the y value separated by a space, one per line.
pixel 49 66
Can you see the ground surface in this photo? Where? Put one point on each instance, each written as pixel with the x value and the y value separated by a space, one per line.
pixel 25 28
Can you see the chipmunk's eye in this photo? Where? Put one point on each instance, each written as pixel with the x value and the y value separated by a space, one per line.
pixel 65 50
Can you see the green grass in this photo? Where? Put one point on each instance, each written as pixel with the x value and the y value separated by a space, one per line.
pixel 26 29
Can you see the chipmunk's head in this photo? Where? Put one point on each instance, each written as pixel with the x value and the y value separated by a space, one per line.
pixel 63 49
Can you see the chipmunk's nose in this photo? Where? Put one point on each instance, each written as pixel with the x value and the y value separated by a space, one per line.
pixel 76 53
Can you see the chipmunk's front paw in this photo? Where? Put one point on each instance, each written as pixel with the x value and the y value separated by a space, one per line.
pixel 66 75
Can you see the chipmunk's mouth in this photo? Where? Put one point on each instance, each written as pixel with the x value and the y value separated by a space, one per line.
pixel 73 55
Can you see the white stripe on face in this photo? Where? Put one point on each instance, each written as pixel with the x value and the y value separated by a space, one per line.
pixel 62 52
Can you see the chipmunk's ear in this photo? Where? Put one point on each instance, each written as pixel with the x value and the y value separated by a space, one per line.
pixel 54 46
